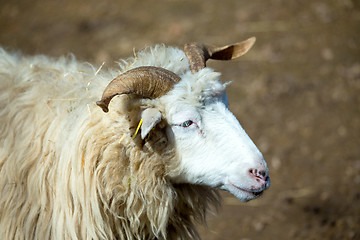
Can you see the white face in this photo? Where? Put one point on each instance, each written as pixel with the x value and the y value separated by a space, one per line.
pixel 214 150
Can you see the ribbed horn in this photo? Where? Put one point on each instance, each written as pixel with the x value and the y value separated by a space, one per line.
pixel 199 53
pixel 147 82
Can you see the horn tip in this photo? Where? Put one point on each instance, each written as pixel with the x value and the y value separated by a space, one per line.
pixel 252 40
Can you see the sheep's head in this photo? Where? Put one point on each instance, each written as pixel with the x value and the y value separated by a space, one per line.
pixel 212 147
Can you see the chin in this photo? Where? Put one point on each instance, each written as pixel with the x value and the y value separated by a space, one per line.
pixel 242 193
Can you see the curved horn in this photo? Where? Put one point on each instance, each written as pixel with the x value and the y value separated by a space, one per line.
pixel 199 53
pixel 148 82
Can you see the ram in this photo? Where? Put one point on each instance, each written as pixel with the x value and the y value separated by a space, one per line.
pixel 146 164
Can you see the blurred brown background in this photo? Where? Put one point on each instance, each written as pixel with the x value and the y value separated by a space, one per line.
pixel 297 92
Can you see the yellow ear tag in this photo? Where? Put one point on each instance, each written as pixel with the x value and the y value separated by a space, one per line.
pixel 137 129
pixel 148 136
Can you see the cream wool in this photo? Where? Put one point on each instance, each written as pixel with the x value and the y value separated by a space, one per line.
pixel 65 174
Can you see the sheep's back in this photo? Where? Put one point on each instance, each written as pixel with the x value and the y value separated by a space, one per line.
pixel 40 98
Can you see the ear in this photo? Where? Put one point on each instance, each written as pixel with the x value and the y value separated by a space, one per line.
pixel 231 51
pixel 151 117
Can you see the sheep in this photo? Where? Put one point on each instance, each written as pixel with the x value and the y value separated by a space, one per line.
pixel 145 161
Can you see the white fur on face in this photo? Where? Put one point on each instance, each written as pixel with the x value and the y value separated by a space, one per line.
pixel 212 146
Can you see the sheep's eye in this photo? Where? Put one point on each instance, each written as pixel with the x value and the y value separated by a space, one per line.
pixel 186 123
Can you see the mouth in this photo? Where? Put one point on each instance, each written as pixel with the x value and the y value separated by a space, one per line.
pixel 244 194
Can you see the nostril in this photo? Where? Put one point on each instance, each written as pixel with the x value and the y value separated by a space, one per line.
pixel 261 177
pixel 258 174
pixel 267 179
pixel 267 182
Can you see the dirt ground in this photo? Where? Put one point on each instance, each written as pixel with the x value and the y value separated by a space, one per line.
pixel 297 92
